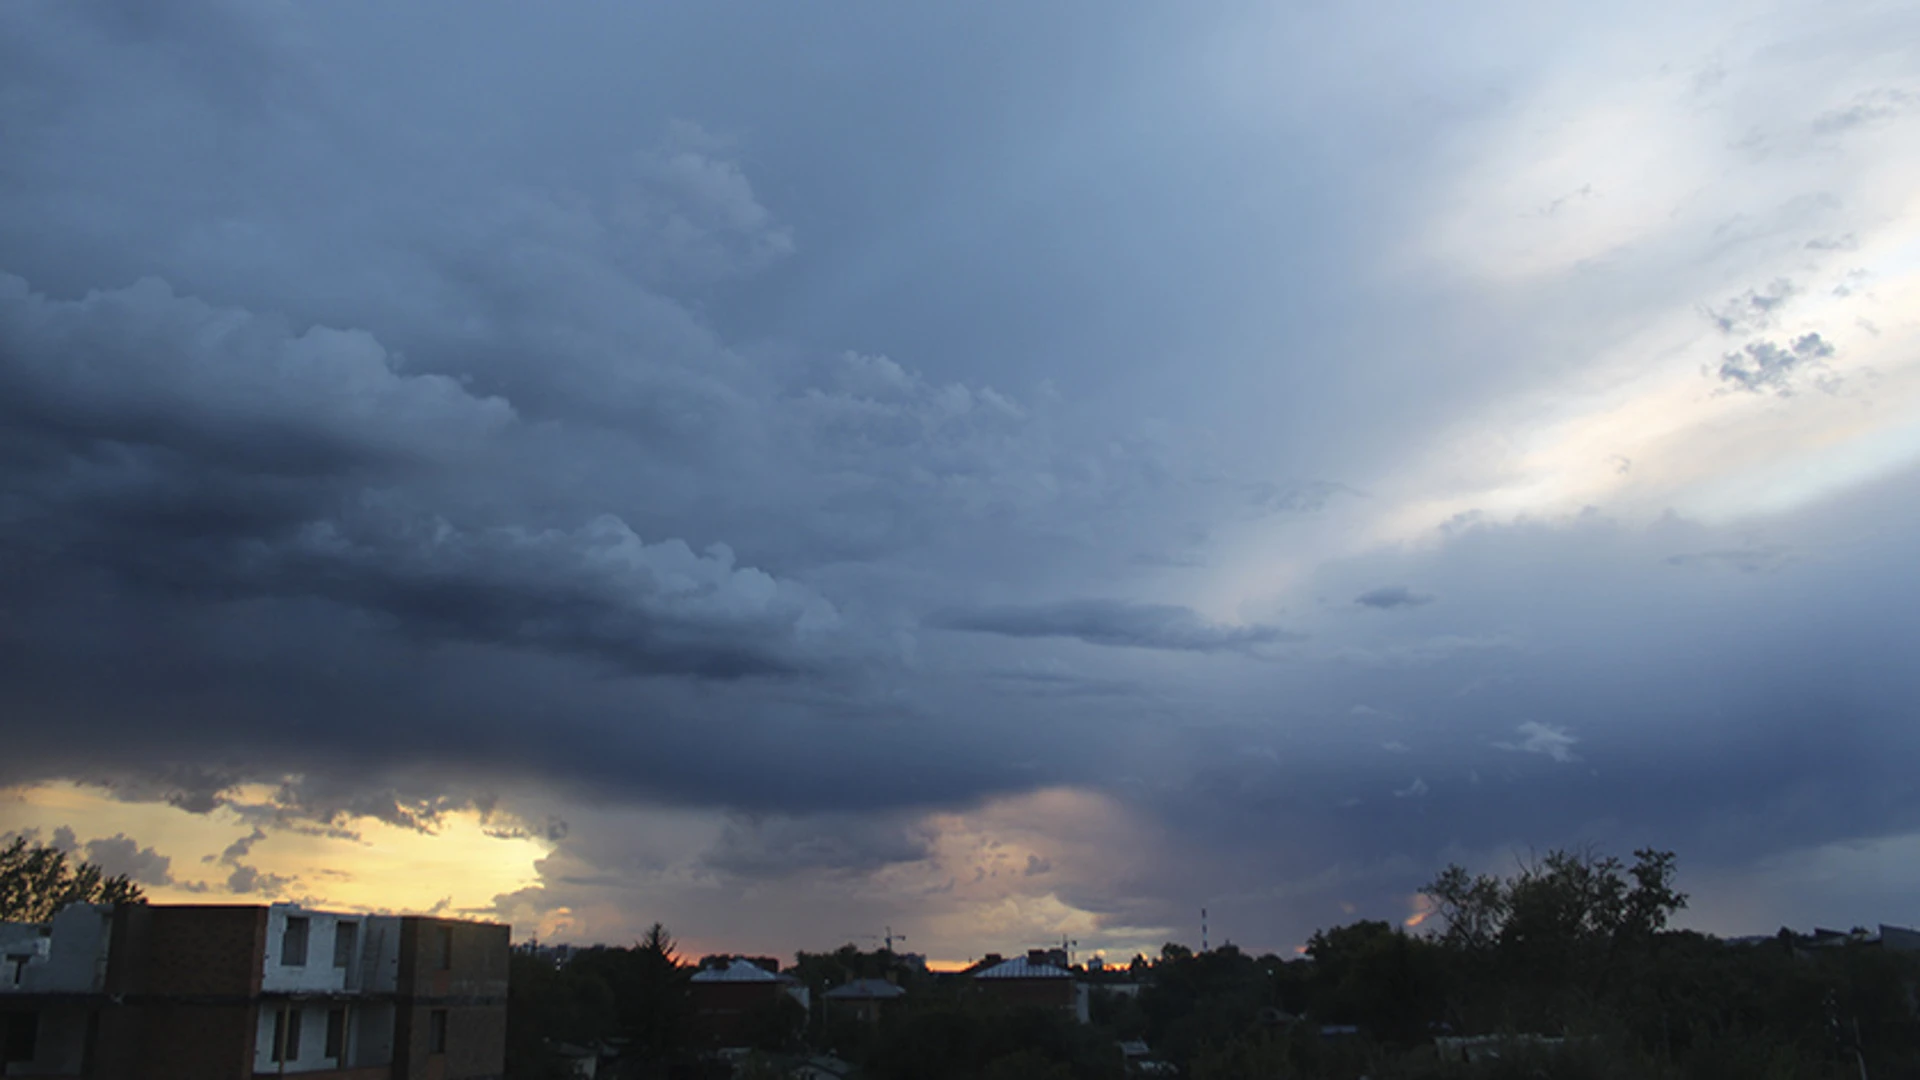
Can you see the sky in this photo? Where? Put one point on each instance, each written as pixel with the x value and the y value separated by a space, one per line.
pixel 1010 473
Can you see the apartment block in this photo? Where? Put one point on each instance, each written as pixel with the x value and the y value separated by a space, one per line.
pixel 219 991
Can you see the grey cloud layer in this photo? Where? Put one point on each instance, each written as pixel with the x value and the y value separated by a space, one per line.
pixel 408 438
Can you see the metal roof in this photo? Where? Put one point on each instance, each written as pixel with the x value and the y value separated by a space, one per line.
pixel 1021 968
pixel 865 990
pixel 737 971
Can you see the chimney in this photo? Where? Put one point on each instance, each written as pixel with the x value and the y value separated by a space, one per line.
pixel 1036 957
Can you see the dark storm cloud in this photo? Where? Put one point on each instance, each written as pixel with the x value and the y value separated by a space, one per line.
pixel 377 427
pixel 141 367
pixel 754 848
pixel 1387 597
pixel 1111 622
pixel 214 451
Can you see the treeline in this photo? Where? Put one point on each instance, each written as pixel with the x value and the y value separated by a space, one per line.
pixel 1568 964
pixel 1575 949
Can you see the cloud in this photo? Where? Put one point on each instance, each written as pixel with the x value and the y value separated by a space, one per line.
pixel 247 880
pixel 1761 366
pixel 240 848
pixel 599 590
pixel 212 450
pixel 755 848
pixel 1111 623
pixel 693 214
pixel 1538 738
pixel 1388 597
pixel 143 367
pixel 1869 108
pixel 120 854
pixel 1755 310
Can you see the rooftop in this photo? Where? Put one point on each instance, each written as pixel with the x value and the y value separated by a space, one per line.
pixel 736 971
pixel 1021 967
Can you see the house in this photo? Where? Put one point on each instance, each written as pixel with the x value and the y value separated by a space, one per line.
pixel 219 991
pixel 863 999
pixel 734 995
pixel 1032 981
pixel 1899 938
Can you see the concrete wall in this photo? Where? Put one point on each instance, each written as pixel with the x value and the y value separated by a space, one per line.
pixel 312 1056
pixel 65 956
pixel 372 966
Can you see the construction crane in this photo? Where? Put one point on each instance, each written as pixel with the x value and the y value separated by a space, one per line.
pixel 888 938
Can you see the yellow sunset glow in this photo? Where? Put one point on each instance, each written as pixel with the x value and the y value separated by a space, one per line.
pixel 364 864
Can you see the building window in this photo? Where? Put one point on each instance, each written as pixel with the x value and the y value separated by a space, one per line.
pixel 286 1035
pixel 19 1038
pixel 437 1032
pixel 336 1033
pixel 18 963
pixel 344 936
pixel 446 948
pixel 293 943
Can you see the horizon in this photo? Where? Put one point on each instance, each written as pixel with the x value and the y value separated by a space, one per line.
pixel 1005 476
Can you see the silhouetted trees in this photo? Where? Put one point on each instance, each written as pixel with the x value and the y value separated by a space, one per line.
pixel 36 881
pixel 637 995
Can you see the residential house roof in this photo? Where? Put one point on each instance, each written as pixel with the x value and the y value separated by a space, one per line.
pixel 1021 967
pixel 736 971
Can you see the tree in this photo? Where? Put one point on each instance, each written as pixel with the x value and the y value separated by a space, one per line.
pixel 1375 975
pixel 1544 945
pixel 1472 906
pixel 1567 896
pixel 657 1011
pixel 36 882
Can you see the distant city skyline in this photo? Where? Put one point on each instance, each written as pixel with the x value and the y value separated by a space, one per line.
pixel 1025 472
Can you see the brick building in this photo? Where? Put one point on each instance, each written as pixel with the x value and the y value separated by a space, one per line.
pixel 214 991
pixel 735 997
pixel 864 999
pixel 1033 981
